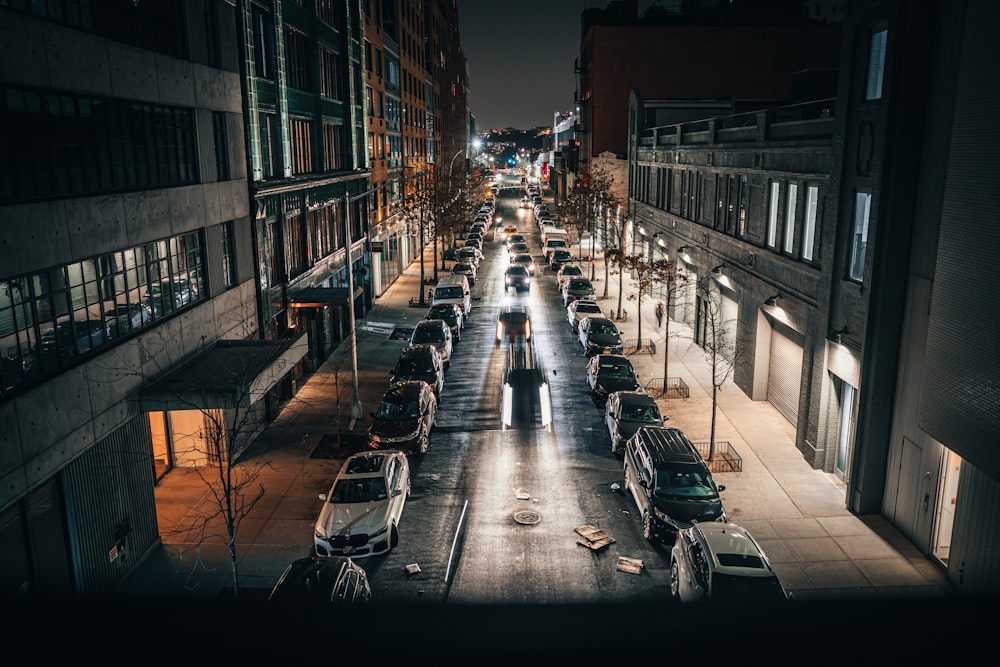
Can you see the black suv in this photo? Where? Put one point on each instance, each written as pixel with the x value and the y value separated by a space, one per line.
pixel 670 483
pixel 420 362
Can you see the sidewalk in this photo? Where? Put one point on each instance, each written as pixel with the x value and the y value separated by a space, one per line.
pixel 820 550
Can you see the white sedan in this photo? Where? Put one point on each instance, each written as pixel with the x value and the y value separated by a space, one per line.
pixel 361 511
pixel 579 309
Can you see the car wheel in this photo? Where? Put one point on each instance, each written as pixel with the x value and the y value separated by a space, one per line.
pixel 675 579
pixel 393 537
pixel 647 526
pixel 424 443
pixel 409 488
pixel 616 446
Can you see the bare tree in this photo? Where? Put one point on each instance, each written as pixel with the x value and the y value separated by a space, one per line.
pixel 717 336
pixel 645 274
pixel 213 425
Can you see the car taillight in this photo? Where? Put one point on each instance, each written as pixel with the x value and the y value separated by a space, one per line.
pixel 527 330
pixel 499 330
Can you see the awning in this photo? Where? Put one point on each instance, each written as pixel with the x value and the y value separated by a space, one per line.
pixel 317 297
pixel 230 374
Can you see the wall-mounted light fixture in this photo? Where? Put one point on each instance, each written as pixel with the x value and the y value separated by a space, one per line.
pixel 642 230
pixel 717 271
pixel 837 336
pixel 683 250
pixel 772 301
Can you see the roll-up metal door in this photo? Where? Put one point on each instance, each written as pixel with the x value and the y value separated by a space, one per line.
pixel 785 372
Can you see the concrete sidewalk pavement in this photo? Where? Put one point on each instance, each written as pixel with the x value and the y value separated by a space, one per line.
pixel 820 550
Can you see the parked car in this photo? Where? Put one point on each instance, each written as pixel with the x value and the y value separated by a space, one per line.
pixel 165 296
pixel 610 372
pixel 336 580
pixel 722 563
pixel 126 317
pixel 420 362
pixel 404 417
pixel 627 411
pixel 524 259
pixel 437 333
pixel 466 269
pixel 73 337
pixel 512 322
pixel 516 276
pixel 577 288
pixel 559 257
pixel 670 483
pixel 567 271
pixel 473 243
pixel 450 313
pixel 579 309
pixel 361 511
pixel 599 335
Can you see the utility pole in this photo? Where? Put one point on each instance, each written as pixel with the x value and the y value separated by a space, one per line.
pixel 356 409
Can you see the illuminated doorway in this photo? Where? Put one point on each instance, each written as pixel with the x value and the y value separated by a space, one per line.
pixel 944 514
pixel 162 456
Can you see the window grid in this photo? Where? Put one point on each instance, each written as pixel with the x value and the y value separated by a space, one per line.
pixel 55 145
pixel 772 215
pixel 301 145
pixel 859 236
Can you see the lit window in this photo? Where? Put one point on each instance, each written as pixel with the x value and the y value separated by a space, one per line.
pixel 772 215
pixel 789 235
pixel 859 240
pixel 809 231
pixel 876 65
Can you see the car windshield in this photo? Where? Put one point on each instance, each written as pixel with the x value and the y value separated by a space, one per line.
pixel 572 271
pixel 448 293
pixel 427 335
pixel 448 315
pixel 517 269
pixel 414 366
pixel 390 411
pixel 580 284
pixel 617 371
pixel 641 414
pixel 588 308
pixel 604 329
pixel 687 483
pixel 361 490
pixel 462 267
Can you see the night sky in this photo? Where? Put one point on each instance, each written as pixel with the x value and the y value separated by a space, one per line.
pixel 521 55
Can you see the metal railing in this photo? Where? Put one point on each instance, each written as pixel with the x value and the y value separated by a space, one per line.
pixel 673 388
pixel 724 458
pixel 634 345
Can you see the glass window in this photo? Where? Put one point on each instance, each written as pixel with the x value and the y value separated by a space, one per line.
pixel 772 215
pixel 228 273
pixel 221 145
pixel 789 236
pixel 876 65
pixel 809 229
pixel 859 238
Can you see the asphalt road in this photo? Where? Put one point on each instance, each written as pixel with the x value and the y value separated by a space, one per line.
pixel 496 510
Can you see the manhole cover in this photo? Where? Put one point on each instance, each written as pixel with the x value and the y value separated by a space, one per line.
pixel 527 517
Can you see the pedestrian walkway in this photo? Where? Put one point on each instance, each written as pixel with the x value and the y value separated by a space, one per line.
pixel 820 550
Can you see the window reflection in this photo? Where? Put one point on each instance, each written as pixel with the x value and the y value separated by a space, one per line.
pixel 50 319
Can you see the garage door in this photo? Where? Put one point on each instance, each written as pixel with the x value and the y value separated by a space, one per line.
pixel 785 372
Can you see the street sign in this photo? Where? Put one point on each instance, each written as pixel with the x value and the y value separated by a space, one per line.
pixel 376 246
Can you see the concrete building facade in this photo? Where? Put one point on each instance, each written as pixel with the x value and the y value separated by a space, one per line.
pixel 829 239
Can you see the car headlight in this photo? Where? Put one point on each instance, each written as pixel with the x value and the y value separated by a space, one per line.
pixel 378 533
pixel 319 536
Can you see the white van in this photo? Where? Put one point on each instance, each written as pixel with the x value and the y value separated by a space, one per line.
pixel 454 288
pixel 551 231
